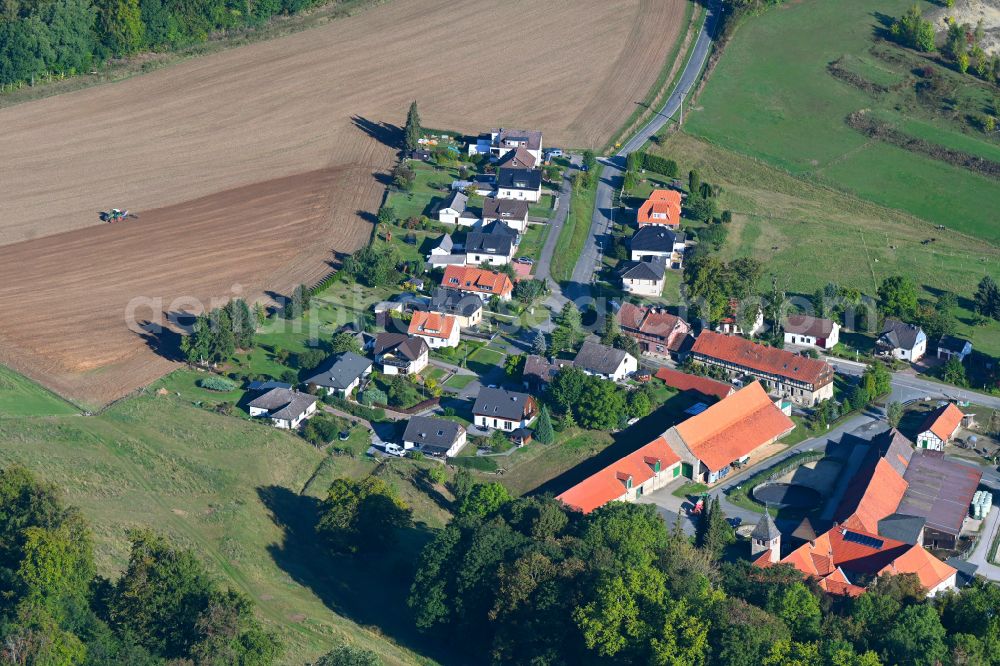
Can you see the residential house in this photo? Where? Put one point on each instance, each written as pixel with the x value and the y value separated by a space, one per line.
pixel 483 283
pixel 804 380
pixel 655 241
pixel 742 319
pixel 435 437
pixel 494 244
pixel 482 184
pixel 467 309
pixel 940 427
pixel 501 141
pixel 905 342
pixel 519 158
pixel 539 371
pixel 658 332
pixel 727 433
pixel 443 247
pixel 949 347
pixel 520 184
pixel 843 561
pixel 503 410
pixel 400 354
pixel 286 408
pixel 511 212
pixel 605 362
pixel 704 387
pixel 644 278
pixel 437 330
pixel 815 332
pixel 453 210
pixel 341 374
pixel 264 386
pixel 646 469
pixel 663 207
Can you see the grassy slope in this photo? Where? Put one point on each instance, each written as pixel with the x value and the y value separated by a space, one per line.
pixel 810 234
pixel 574 232
pixel 771 98
pixel 213 484
pixel 22 397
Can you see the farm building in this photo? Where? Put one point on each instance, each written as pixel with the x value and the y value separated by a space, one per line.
pixel 940 427
pixel 803 380
pixel 727 433
pixel 646 469
pixel 705 387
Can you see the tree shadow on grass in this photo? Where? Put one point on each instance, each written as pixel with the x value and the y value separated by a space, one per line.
pixel 369 589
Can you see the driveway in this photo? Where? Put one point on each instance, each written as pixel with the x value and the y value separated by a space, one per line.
pixel 979 556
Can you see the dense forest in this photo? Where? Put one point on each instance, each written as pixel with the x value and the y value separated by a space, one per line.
pixel 66 37
pixel 165 607
pixel 528 581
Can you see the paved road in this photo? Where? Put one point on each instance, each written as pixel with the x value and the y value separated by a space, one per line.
pixel 979 556
pixel 556 225
pixel 611 175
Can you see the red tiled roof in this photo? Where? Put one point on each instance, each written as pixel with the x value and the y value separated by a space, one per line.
pixel 873 494
pixel 662 207
pixel 943 421
pixel 652 321
pixel 770 360
pixel 477 280
pixel 733 427
pixel 431 324
pixel 706 386
pixel 861 551
pixel 609 484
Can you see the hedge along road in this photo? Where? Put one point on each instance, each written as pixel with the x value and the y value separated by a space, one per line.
pixel 612 173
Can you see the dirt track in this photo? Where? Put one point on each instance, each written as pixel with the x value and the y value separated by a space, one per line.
pixel 305 104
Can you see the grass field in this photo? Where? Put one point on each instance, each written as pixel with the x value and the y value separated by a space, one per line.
pixel 20 396
pixel 771 97
pixel 810 234
pixel 241 495
pixel 575 230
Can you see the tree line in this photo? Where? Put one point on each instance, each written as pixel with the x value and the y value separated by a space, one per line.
pixel 530 581
pixel 164 608
pixel 67 37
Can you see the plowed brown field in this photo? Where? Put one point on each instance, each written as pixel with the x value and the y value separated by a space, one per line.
pixel 199 150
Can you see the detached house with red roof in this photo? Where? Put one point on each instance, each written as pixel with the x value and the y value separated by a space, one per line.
pixel 479 281
pixel 803 380
pixel 663 207
pixel 647 469
pixel 437 330
pixel 940 427
pixel 728 433
pixel 658 332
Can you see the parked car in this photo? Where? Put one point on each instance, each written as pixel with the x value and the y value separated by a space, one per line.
pixel 525 260
pixel 395 450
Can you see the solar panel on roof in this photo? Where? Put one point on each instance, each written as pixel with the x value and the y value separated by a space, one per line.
pixel 863 539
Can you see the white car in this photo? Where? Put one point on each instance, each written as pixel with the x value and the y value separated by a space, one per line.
pixel 395 450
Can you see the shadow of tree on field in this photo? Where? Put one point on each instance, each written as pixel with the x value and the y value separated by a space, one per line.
pixel 369 589
pixel 161 340
pixel 385 133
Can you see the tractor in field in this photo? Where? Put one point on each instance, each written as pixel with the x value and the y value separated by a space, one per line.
pixel 114 215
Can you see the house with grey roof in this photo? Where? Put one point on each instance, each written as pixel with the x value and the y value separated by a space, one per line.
pixel 656 241
pixel 494 244
pixel 500 141
pixel 505 410
pixel 644 278
pixel 519 184
pixel 902 341
pixel 605 362
pixel 287 408
pixel 433 436
pixel 467 309
pixel 454 210
pixel 400 354
pixel 511 212
pixel 519 158
pixel 443 247
pixel 341 374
